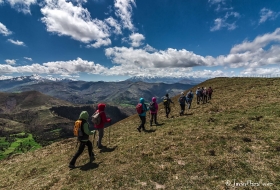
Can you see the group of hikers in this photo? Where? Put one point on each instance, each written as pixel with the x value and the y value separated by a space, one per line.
pixel 202 94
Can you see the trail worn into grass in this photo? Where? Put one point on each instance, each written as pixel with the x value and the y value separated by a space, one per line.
pixel 232 140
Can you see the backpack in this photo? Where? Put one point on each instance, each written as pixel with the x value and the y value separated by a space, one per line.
pixel 77 128
pixel 182 100
pixel 204 92
pixel 165 101
pixel 96 118
pixel 189 95
pixel 152 106
pixel 139 108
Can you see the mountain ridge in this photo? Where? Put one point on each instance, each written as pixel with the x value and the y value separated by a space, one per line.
pixel 229 140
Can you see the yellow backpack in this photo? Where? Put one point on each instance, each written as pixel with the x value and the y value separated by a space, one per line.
pixel 77 127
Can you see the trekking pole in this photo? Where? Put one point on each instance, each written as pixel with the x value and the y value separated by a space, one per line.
pixel 109 135
pixel 93 137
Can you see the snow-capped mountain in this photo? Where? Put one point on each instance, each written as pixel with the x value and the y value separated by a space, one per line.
pixel 7 82
pixel 167 80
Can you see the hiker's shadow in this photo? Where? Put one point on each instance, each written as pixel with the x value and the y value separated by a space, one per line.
pixel 186 114
pixel 106 149
pixel 160 124
pixel 150 131
pixel 89 166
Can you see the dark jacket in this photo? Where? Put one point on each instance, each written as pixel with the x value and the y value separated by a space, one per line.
pixel 183 99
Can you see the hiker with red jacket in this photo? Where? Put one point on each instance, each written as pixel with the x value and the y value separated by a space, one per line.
pixel 142 115
pixel 210 91
pixel 83 138
pixel 100 127
pixel 153 111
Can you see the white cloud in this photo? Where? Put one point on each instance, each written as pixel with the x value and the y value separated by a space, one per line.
pixel 216 1
pixel 114 23
pixel 124 12
pixel 261 71
pixel 258 42
pixel 19 43
pixel 136 39
pixel 1 1
pixel 57 67
pixel 28 58
pixel 220 23
pixel 64 18
pixel 10 61
pixel 22 5
pixel 254 54
pixel 267 14
pixel 100 42
pixel 4 30
pixel 149 48
pixel 159 59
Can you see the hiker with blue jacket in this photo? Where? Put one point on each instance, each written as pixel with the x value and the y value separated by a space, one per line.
pixel 182 101
pixel 189 98
pixel 83 138
pixel 142 115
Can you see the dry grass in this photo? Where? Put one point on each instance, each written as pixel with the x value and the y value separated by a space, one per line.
pixel 234 137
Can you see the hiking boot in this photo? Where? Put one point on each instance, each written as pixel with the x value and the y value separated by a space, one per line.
pixel 71 166
pixel 157 123
pixel 139 129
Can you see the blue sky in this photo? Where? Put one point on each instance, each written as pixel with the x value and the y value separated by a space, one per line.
pixel 116 39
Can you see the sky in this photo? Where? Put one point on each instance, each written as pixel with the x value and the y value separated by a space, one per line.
pixel 113 40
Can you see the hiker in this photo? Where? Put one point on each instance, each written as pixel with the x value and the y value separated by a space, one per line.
pixel 153 111
pixel 189 98
pixel 182 100
pixel 198 95
pixel 210 91
pixel 83 138
pixel 100 127
pixel 142 115
pixel 166 103
pixel 204 95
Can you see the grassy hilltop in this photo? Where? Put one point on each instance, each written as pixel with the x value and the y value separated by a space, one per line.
pixel 233 138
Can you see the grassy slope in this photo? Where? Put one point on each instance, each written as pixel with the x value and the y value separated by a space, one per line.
pixel 234 137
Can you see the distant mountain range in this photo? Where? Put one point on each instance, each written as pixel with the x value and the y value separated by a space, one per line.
pixel 82 92
pixel 167 80
pixel 6 84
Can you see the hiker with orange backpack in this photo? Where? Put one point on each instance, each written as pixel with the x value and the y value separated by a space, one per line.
pixel 100 126
pixel 166 103
pixel 153 111
pixel 83 138
pixel 141 110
